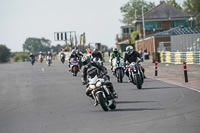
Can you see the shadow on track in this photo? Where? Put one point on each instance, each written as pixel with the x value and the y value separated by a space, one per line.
pixel 124 102
pixel 135 109
pixel 160 88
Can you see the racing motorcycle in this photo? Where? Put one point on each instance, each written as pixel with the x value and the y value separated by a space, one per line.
pixel 118 68
pixel 96 59
pixel 74 66
pixel 100 91
pixel 62 58
pixel 49 60
pixel 40 58
pixel 136 74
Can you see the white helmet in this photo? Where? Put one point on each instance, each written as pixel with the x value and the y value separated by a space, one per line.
pixel 31 53
pixel 48 52
pixel 129 50
pixel 40 52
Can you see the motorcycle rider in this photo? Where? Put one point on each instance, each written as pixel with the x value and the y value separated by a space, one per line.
pixel 131 56
pixel 32 57
pixel 97 54
pixel 40 56
pixel 79 54
pixel 88 65
pixel 62 54
pixel 50 55
pixel 74 54
pixel 114 54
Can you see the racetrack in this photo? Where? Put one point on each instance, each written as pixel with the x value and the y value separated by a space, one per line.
pixel 42 99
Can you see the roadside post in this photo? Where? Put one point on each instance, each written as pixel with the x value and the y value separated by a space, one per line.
pixel 185 71
pixel 156 67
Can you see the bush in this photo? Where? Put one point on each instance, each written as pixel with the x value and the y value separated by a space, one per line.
pixel 4 53
pixel 21 56
pixel 155 55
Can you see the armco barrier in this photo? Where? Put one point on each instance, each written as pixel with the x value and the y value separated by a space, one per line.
pixel 180 57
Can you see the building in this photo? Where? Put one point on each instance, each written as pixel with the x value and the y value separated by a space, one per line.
pixel 125 37
pixel 161 18
pixel 157 20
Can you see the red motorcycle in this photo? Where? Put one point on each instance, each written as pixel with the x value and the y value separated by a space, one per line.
pixel 74 66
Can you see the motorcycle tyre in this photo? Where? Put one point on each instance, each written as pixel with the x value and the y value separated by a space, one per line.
pixel 113 105
pixel 138 82
pixel 142 77
pixel 102 102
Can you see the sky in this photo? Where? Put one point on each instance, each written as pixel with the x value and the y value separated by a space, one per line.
pixel 99 19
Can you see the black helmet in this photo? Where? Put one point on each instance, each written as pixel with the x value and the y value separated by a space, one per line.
pixel 86 60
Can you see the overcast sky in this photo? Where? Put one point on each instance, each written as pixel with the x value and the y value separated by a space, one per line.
pixel 99 19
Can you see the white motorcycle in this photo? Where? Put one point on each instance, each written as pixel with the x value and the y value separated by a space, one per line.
pixel 100 92
pixel 118 68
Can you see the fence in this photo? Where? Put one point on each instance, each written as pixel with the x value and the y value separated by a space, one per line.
pixel 180 57
pixel 185 42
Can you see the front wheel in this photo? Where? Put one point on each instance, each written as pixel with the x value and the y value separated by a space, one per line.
pixel 75 71
pixel 102 102
pixel 138 81
pixel 113 105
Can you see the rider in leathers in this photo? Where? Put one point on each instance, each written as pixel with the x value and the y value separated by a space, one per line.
pixel 97 54
pixel 88 65
pixel 72 56
pixel 131 56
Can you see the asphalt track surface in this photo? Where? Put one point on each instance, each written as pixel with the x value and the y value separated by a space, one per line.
pixel 42 99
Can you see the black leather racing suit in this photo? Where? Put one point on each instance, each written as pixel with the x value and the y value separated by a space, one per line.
pixel 97 55
pixel 32 57
pixel 101 70
pixel 132 58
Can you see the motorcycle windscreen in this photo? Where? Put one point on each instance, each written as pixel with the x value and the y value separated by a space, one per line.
pixel 117 59
pixel 92 72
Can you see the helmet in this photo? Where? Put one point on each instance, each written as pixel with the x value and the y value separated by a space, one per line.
pixel 73 51
pixel 129 50
pixel 115 50
pixel 95 50
pixel 48 52
pixel 40 52
pixel 31 53
pixel 86 60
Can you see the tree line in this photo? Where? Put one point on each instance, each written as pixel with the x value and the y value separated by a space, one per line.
pixel 35 45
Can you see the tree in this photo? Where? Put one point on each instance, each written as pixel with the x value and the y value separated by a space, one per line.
pixel 21 56
pixel 128 10
pixel 56 48
pixel 174 4
pixel 134 36
pixel 35 45
pixel 4 53
pixel 193 6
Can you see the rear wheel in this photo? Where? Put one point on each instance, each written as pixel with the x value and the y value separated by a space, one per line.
pixel 102 102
